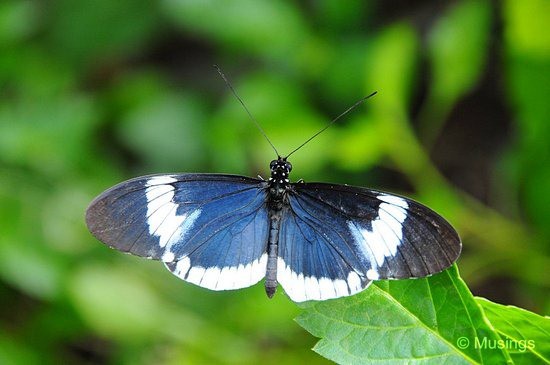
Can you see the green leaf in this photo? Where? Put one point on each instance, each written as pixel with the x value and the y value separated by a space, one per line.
pixel 524 334
pixel 391 69
pixel 17 20
pixel 245 24
pixel 527 60
pixel 526 27
pixel 97 291
pixel 13 352
pixel 422 321
pixel 165 130
pixel 48 134
pixel 85 31
pixel 458 47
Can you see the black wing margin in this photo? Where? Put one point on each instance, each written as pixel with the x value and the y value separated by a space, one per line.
pixel 353 235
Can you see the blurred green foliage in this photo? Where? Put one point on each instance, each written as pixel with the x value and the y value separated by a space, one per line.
pixel 93 92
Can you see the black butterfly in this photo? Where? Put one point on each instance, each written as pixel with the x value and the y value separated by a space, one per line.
pixel 318 240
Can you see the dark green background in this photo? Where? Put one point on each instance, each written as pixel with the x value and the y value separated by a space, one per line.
pixel 96 91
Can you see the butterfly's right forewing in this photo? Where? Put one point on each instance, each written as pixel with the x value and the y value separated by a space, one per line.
pixel 209 229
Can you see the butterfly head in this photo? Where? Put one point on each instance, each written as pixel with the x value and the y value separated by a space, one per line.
pixel 280 169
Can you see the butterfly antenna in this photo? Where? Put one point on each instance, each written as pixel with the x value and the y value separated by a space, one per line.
pixel 357 103
pixel 245 108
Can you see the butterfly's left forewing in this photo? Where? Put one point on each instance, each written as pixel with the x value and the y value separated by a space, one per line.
pixel 336 239
pixel 209 229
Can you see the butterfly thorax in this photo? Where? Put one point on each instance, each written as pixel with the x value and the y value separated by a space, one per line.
pixel 279 183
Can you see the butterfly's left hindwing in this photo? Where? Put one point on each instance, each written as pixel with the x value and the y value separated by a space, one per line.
pixel 336 239
pixel 209 229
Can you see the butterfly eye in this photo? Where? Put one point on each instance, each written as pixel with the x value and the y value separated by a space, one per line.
pixel 288 166
pixel 273 165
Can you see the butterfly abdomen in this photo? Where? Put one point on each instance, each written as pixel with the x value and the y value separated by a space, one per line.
pixel 276 202
pixel 272 254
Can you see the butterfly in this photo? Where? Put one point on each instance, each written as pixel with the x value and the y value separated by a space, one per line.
pixel 317 240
